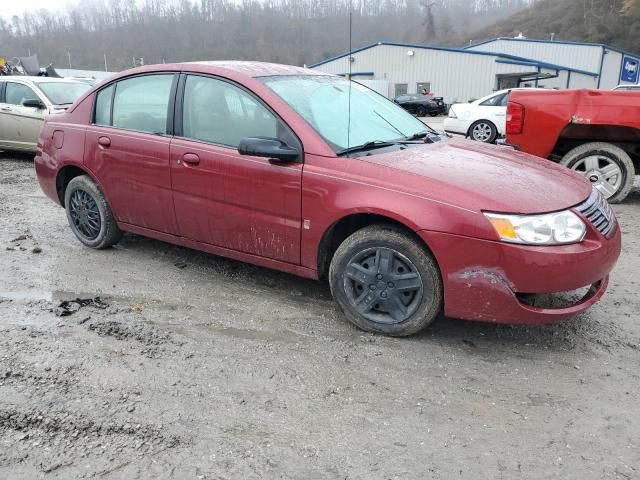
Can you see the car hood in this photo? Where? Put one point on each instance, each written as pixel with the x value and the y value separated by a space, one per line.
pixel 481 177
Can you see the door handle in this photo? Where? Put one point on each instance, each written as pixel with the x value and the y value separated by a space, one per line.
pixel 104 141
pixel 191 158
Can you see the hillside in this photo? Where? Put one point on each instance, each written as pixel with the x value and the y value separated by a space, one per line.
pixel 121 33
pixel 613 22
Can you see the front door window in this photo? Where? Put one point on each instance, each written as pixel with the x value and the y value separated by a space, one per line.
pixel 218 112
pixel 17 94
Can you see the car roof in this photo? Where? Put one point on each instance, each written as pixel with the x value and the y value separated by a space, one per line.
pixel 231 68
pixel 257 69
pixel 33 79
pixel 500 92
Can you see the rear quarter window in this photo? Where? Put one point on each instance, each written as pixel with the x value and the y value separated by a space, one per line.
pixel 103 106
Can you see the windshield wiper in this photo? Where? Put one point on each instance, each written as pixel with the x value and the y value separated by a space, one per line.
pixel 367 146
pixel 429 136
pixel 418 136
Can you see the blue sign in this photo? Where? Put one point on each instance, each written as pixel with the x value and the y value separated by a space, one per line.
pixel 630 67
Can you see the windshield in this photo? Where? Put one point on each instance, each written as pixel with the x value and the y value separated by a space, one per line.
pixel 323 101
pixel 61 93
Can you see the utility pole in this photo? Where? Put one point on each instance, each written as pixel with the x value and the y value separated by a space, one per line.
pixel 69 55
pixel 105 62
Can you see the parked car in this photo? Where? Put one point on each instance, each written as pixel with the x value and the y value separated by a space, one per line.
pixel 594 132
pixel 24 101
pixel 257 162
pixel 88 80
pixel 482 120
pixel 635 88
pixel 421 105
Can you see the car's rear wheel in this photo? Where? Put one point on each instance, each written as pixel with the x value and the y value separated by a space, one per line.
pixel 421 112
pixel 609 168
pixel 386 282
pixel 483 131
pixel 89 214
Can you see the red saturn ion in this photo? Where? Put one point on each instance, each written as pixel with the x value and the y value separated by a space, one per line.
pixel 307 173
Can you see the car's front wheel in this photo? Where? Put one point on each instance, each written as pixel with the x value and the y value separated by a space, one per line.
pixel 89 214
pixel 609 168
pixel 483 131
pixel 386 282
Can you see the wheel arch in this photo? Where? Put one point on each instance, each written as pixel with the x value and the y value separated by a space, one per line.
pixel 573 135
pixel 342 228
pixel 68 173
pixel 485 120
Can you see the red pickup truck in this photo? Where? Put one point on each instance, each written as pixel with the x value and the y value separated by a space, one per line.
pixel 594 132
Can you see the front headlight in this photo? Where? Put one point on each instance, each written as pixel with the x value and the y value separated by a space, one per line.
pixel 547 229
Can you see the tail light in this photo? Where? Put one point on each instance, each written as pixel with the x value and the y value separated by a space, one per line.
pixel 515 118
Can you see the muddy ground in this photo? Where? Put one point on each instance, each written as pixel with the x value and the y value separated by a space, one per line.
pixel 194 366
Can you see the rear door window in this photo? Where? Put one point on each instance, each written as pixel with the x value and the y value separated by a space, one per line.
pixel 494 101
pixel 141 103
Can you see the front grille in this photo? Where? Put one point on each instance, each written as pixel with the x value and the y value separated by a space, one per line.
pixel 598 211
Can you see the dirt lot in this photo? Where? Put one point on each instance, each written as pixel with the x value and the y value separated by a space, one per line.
pixel 193 366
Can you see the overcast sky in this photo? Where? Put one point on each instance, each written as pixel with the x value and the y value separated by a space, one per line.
pixel 17 7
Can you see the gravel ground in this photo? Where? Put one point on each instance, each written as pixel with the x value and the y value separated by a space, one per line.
pixel 193 366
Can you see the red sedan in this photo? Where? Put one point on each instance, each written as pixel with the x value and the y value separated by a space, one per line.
pixel 308 173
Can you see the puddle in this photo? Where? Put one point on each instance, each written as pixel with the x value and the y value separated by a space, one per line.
pixel 57 296
pixel 28 295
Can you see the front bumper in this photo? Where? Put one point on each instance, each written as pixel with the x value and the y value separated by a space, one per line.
pixel 487 280
pixel 455 125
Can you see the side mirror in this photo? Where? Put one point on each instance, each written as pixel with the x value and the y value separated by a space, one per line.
pixel 34 103
pixel 271 148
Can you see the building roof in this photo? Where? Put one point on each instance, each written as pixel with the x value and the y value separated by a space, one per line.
pixel 501 56
pixel 561 42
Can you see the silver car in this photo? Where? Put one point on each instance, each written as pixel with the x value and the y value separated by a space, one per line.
pixel 24 101
pixel 628 87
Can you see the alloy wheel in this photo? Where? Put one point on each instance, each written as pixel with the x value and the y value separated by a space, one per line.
pixel 482 132
pixel 603 173
pixel 85 214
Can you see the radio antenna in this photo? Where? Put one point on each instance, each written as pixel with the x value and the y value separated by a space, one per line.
pixel 350 60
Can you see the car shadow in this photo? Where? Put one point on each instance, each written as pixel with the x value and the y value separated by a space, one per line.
pixel 19 156
pixel 485 339
pixel 634 196
pixel 231 270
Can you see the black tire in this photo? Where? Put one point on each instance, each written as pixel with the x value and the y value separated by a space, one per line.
pixel 604 156
pixel 421 112
pixel 369 250
pixel 483 131
pixel 89 214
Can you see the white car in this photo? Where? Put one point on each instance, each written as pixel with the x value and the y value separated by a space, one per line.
pixel 24 101
pixel 635 88
pixel 483 120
